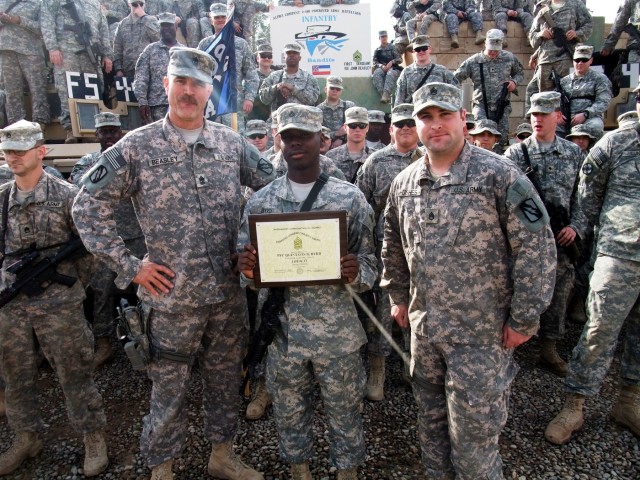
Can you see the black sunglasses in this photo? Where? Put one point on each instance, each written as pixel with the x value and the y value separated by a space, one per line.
pixel 405 123
pixel 266 55
pixel 421 49
pixel 258 136
pixel 361 126
pixel 524 136
pixel 137 4
pixel 581 60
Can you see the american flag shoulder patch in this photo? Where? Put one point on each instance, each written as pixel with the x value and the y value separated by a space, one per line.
pixel 115 158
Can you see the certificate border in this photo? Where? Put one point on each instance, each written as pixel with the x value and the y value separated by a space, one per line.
pixel 341 215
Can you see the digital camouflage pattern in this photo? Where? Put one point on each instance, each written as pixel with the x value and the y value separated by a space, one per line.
pixel 22 56
pixel 414 74
pixel 422 16
pixel 55 23
pixel 6 175
pixel 333 115
pixel 500 9
pixel 505 67
pixel 589 93
pixel 151 68
pixel 44 219
pixel 116 10
pixel 244 13
pixel 306 89
pixel 132 36
pixel 347 162
pixel 326 166
pixel 194 16
pixel 451 20
pixel 322 3
pixel 385 82
pixel 628 12
pixel 468 252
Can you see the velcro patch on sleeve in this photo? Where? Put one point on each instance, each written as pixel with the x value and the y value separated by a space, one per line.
pixel 529 209
pixel 597 157
pixel 110 164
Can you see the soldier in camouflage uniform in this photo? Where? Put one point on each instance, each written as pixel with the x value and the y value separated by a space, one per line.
pixel 185 186
pixel 386 63
pixel 583 137
pixel 151 69
pixel 322 3
pixel 135 32
pixel 193 19
pixel 575 20
pixel 458 11
pixel 504 10
pixel 320 336
pixel 589 91
pixel 423 14
pixel 377 125
pixel 554 164
pixel 350 156
pixel 39 216
pixel 264 58
pixel 489 70
pixel 244 11
pixel 114 11
pixel 21 56
pixel 629 12
pixel 469 261
pixel 523 131
pixel 108 132
pixel 333 109
pixel 374 180
pixel 291 85
pixel 627 118
pixel 420 72
pixel 247 81
pixel 257 135
pixel 486 135
pixel 608 196
pixel 66 54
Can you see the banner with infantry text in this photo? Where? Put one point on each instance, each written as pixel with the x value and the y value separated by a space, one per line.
pixel 335 40
pixel 224 95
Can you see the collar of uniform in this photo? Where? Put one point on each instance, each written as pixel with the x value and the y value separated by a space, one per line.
pixel 555 145
pixel 176 140
pixel 39 194
pixel 282 189
pixel 456 175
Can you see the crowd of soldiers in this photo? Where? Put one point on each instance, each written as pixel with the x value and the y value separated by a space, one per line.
pixel 470 239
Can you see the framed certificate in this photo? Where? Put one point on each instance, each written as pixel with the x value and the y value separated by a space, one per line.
pixel 301 248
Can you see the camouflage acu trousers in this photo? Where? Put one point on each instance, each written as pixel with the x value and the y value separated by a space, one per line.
pixel 453 22
pixel 385 82
pixel 196 30
pixel 421 26
pixel 67 342
pixel 552 320
pixel 525 19
pixel 217 335
pixel 613 300
pixel 14 67
pixel 461 392
pixel 291 383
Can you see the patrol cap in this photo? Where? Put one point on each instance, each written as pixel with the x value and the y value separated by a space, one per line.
pixel 583 51
pixel 193 63
pixel 402 111
pixel 470 120
pixel 382 33
pixel 294 116
pixel 137 1
pixel 326 132
pixel 167 17
pixel 292 47
pixel 524 128
pixel 22 135
pixel 107 119
pixel 485 125
pixel 334 81
pixel 274 120
pixel 256 127
pixel 376 116
pixel 437 94
pixel 420 41
pixel 544 102
pixel 356 115
pixel 581 130
pixel 218 9
pixel 630 117
pixel 494 39
pixel 265 48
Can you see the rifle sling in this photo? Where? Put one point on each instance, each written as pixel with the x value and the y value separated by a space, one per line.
pixel 484 90
pixel 10 7
pixel 427 75
pixel 313 194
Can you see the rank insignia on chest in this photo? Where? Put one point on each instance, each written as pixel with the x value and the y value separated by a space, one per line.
pixel 431 215
pixel 201 180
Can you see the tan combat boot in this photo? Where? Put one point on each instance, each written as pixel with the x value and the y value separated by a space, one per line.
pixel 375 381
pixel 25 445
pixel 454 41
pixel 70 138
pixel 3 407
pixel 261 400
pixel 576 312
pixel 300 471
pixel 480 38
pixel 569 420
pixel 386 98
pixel 550 359
pixel 626 411
pixel 104 351
pixel 95 454
pixel 164 471
pixel 348 474
pixel 224 464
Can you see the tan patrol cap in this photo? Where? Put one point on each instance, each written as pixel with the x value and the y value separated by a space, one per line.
pixel 192 63
pixel 22 135
pixel 437 94
pixel 293 116
pixel 107 119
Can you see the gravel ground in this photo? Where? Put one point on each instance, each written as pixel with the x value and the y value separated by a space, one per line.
pixel 601 451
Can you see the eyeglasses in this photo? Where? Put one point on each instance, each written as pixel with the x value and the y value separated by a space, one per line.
pixel 524 136
pixel 137 4
pixel 581 60
pixel 405 123
pixel 258 136
pixel 420 49
pixel 361 126
pixel 266 55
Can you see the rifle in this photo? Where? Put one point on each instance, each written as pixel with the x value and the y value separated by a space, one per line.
pixel 565 101
pixel 501 104
pixel 35 280
pixel 633 32
pixel 558 215
pixel 178 13
pixel 559 35
pixel 132 332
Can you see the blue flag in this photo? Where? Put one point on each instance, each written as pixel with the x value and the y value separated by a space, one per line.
pixel 224 97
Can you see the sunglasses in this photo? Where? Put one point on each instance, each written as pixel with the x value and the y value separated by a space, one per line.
pixel 258 136
pixel 581 60
pixel 405 123
pixel 266 55
pixel 137 4
pixel 361 126
pixel 524 136
pixel 420 49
